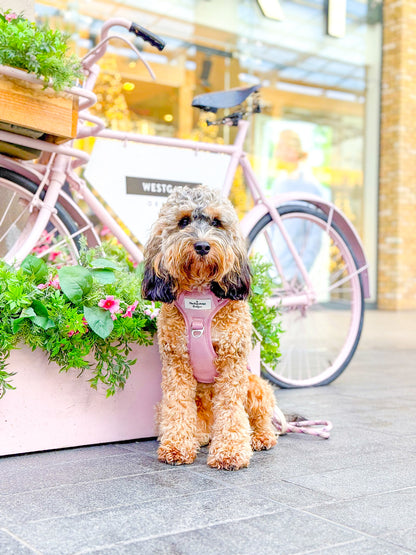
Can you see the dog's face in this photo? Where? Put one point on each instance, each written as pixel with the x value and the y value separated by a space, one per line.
pixel 196 242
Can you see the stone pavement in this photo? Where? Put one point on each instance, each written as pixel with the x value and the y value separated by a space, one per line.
pixel 352 494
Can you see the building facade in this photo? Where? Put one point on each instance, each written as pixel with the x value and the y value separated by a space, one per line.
pixel 397 196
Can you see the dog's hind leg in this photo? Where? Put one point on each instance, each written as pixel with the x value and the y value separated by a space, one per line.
pixel 259 406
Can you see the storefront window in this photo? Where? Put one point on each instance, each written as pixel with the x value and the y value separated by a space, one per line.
pixel 320 95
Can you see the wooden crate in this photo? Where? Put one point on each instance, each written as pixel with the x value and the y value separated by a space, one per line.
pixel 39 113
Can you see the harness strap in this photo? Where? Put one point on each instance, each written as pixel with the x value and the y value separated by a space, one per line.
pixel 198 308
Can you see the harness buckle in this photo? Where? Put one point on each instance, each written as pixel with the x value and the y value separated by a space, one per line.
pixel 197 333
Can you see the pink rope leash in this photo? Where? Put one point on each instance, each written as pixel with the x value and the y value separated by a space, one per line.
pixel 318 428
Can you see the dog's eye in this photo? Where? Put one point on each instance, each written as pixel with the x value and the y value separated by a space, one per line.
pixel 216 223
pixel 183 222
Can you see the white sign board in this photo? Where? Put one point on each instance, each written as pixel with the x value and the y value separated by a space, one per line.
pixel 134 179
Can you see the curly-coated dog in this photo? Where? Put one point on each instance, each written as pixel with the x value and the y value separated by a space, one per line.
pixel 196 264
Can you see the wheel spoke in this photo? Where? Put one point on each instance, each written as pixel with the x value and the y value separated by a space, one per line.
pixel 6 211
pixel 14 224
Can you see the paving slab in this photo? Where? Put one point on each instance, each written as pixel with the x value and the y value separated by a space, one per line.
pixel 362 547
pixel 98 495
pixel 142 521
pixel 404 538
pixel 13 546
pixel 390 513
pixel 282 532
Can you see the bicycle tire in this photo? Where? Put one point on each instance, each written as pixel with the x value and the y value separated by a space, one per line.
pixel 23 189
pixel 297 348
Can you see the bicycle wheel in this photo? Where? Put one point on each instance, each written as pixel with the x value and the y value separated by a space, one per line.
pixel 60 241
pixel 320 337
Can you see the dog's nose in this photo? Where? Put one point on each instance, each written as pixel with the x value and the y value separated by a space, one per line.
pixel 202 248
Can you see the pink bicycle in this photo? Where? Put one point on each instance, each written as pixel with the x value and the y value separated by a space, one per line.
pixel 316 256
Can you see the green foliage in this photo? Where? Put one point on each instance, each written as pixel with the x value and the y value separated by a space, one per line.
pixel 80 320
pixel 265 318
pixel 38 50
pixel 85 322
pixel 75 282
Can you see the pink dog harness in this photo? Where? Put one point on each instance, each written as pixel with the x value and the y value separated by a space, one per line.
pixel 198 309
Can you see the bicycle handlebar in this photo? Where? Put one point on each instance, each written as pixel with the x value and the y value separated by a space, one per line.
pixel 99 50
pixel 146 35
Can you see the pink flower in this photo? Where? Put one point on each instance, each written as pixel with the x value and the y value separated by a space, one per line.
pixel 133 262
pixel 130 309
pixel 46 237
pixel 10 16
pixel 152 311
pixel 40 249
pixel 72 332
pixel 111 304
pixel 54 255
pixel 54 282
pixel 105 231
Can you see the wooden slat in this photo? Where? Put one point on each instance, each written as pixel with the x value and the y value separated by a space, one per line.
pixel 44 110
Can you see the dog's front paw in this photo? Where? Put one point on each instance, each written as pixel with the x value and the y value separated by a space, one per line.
pixel 172 454
pixel 263 441
pixel 229 460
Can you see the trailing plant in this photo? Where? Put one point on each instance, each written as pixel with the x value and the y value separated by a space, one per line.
pixel 87 316
pixel 37 49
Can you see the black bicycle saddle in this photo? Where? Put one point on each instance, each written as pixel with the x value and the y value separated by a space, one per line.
pixel 211 102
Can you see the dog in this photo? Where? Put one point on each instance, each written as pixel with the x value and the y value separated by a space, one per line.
pixel 196 255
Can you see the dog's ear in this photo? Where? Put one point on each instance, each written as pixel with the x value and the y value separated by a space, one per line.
pixel 235 285
pixel 157 284
pixel 157 288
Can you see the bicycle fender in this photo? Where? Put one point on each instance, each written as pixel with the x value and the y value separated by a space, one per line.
pixel 25 171
pixel 334 214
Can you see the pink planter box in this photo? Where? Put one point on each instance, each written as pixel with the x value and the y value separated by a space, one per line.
pixel 53 410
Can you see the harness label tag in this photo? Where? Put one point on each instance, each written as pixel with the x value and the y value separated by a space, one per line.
pixel 198 304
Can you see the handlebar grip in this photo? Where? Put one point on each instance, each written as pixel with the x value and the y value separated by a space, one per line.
pixel 146 35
